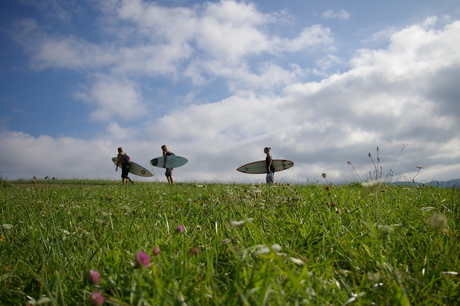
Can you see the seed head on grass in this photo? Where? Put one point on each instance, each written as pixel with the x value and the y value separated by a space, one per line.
pixel 373 186
pixel 142 259
pixel 97 299
pixel 94 277
pixel 385 231
pixel 439 223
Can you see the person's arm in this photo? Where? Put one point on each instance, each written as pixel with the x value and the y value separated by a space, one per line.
pixel 269 164
pixel 164 159
pixel 119 161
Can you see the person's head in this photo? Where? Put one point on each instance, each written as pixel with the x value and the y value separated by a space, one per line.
pixel 164 148
pixel 120 149
pixel 267 150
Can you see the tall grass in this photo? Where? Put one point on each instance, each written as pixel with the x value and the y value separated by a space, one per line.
pixel 287 244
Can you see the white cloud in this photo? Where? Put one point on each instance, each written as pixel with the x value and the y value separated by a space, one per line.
pixel 403 93
pixel 339 14
pixel 112 97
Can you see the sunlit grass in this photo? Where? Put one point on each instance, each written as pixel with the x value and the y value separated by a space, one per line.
pixel 227 244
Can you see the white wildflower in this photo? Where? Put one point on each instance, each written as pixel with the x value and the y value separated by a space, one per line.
pixel 373 186
pixel 353 298
pixel 41 300
pixel 450 272
pixel 297 261
pixel 385 230
pixel 262 249
pixel 240 223
pixel 438 222
pixel 7 226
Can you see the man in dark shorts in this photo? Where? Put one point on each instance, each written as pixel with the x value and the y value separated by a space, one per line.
pixel 168 172
pixel 123 163
pixel 270 178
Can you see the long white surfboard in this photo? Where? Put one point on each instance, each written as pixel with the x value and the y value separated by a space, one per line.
pixel 172 161
pixel 259 167
pixel 135 169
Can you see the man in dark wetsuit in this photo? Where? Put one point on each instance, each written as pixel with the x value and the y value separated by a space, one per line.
pixel 270 178
pixel 168 172
pixel 123 163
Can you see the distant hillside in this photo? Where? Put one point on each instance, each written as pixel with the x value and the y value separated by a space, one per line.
pixel 444 184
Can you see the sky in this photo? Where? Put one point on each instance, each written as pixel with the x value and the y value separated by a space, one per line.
pixel 338 87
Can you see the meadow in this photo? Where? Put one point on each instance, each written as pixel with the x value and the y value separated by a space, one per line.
pixel 83 242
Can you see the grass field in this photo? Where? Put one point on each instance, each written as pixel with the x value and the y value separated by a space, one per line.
pixel 227 244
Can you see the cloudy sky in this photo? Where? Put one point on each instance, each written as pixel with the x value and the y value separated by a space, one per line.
pixel 321 82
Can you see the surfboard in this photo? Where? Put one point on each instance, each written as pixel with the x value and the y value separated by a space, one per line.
pixel 259 167
pixel 172 161
pixel 135 169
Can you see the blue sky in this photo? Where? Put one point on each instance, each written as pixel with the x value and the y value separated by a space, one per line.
pixel 321 82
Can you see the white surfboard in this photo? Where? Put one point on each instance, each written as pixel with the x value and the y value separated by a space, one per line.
pixel 135 169
pixel 172 161
pixel 259 167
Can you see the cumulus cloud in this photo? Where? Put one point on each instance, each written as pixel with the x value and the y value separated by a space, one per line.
pixel 402 94
pixel 112 97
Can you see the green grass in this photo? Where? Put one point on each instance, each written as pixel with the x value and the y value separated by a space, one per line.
pixel 60 230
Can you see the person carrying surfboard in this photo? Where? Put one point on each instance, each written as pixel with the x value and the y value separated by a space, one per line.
pixel 270 178
pixel 123 163
pixel 168 172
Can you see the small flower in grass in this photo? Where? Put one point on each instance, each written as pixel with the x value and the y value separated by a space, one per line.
pixel 7 226
pixel 42 300
pixel 97 298
pixel 94 277
pixel 439 223
pixel 241 223
pixel 373 186
pixel 142 259
pixel 297 261
pixel 385 230
pixel 2 237
pixel 180 229
pixel 265 250
pixel 194 251
pixel 156 251
pixel 419 167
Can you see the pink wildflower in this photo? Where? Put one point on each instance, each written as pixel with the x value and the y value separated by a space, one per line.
pixel 195 251
pixel 156 251
pixel 142 259
pixel 97 299
pixel 94 277
pixel 180 229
